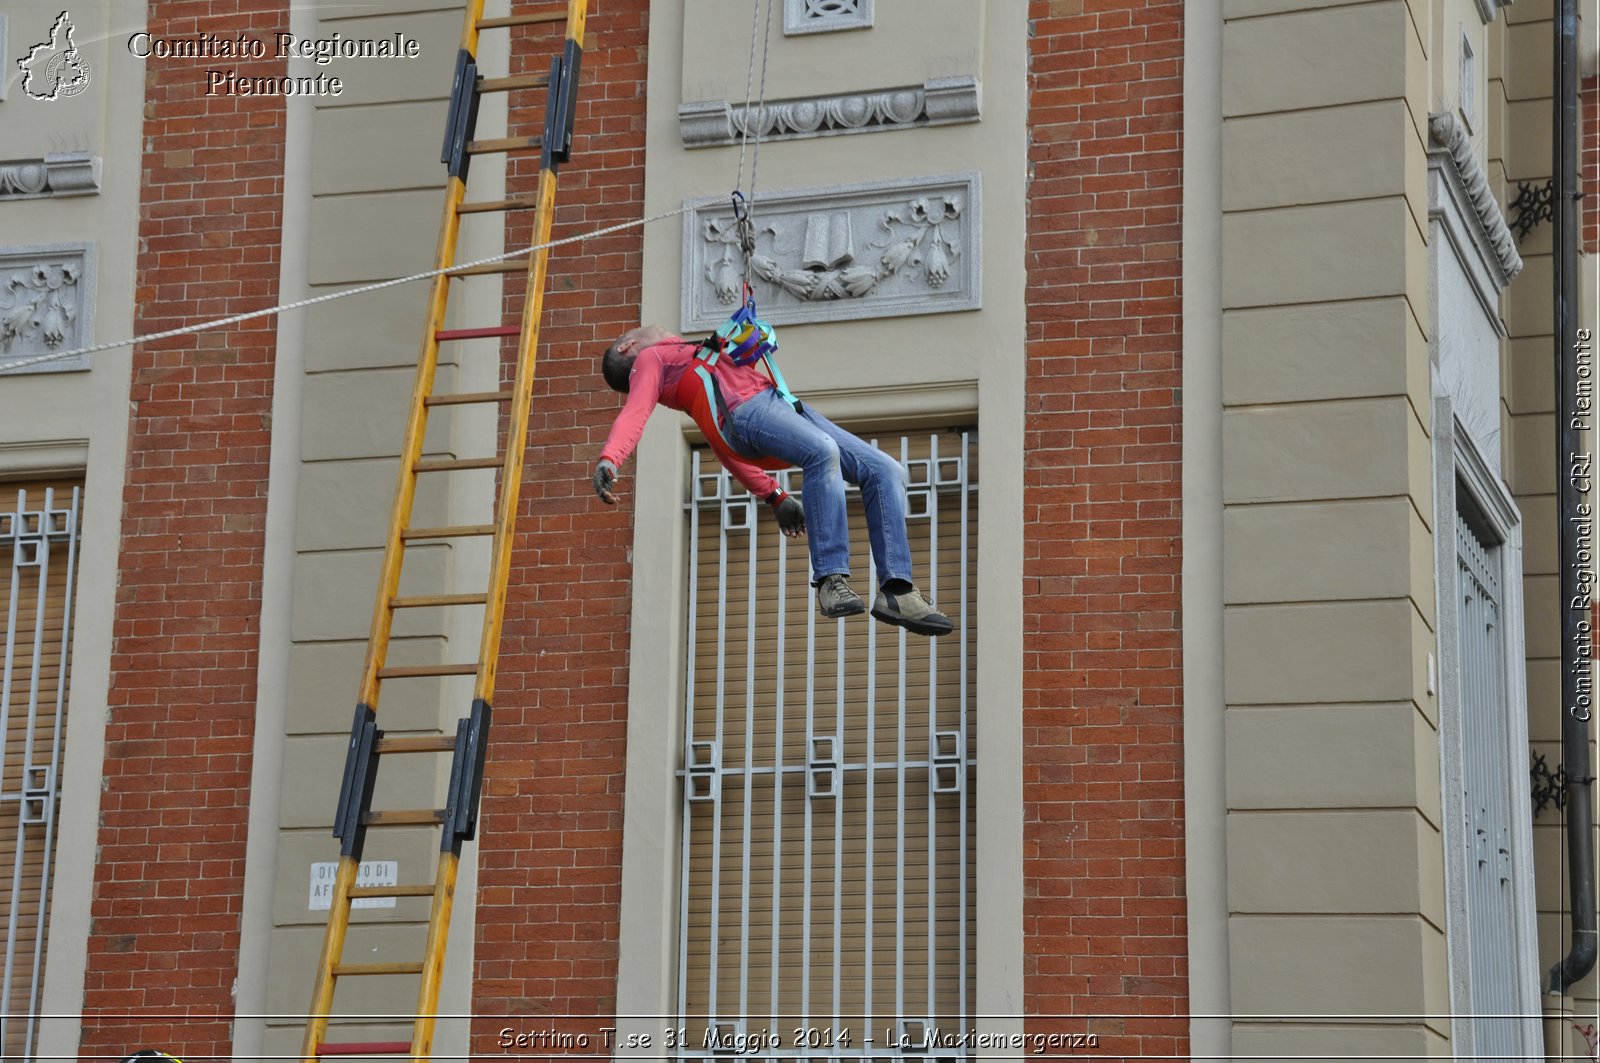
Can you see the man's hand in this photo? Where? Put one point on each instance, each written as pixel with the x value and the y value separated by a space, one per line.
pixel 605 478
pixel 791 516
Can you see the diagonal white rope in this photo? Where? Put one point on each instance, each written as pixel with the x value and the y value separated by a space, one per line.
pixel 20 364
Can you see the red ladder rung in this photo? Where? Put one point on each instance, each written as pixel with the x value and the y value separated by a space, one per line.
pixel 477 333
pixel 365 1048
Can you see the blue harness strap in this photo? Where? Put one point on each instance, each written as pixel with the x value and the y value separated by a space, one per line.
pixel 746 340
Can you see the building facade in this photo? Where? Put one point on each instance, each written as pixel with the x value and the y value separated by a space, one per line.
pixel 1215 342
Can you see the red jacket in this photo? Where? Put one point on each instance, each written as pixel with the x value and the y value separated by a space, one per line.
pixel 665 374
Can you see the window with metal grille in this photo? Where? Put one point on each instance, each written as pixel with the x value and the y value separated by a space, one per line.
pixel 1486 784
pixel 38 551
pixel 828 781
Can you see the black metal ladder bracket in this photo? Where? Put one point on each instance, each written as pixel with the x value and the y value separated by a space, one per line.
pixel 466 778
pixel 462 119
pixel 561 106
pixel 360 776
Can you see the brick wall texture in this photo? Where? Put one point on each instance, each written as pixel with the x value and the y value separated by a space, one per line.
pixel 174 802
pixel 550 855
pixel 1104 911
pixel 1103 917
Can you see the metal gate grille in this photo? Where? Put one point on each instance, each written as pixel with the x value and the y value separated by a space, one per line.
pixel 1486 801
pixel 38 551
pixel 828 783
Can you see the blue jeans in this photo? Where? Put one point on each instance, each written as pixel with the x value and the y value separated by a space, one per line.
pixel 767 425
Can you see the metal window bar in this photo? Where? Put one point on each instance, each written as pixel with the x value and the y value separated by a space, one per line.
pixel 43 543
pixel 716 805
pixel 933 723
pixel 696 484
pixel 776 947
pixel 900 814
pixel 825 879
pixel 749 764
pixel 840 669
pixel 871 789
pixel 962 675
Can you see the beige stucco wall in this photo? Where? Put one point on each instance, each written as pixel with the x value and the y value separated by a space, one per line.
pixel 1334 860
pixel 77 421
pixel 363 194
pixel 968 362
pixel 1520 149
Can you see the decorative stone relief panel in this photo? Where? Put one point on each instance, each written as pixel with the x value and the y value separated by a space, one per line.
pixel 66 173
pixel 821 16
pixel 881 249
pixel 46 303
pixel 938 101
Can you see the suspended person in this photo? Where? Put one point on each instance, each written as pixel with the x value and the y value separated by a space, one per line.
pixel 753 423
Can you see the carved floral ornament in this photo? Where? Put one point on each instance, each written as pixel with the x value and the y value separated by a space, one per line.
pixel 38 306
pixel 921 239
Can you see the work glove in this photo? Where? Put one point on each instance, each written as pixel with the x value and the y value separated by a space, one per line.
pixel 605 478
pixel 791 515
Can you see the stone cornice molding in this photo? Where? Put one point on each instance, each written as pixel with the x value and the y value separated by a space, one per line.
pixel 937 101
pixel 65 173
pixel 1450 140
pixel 1488 9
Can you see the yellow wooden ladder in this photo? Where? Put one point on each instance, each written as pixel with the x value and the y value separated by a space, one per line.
pixel 368 745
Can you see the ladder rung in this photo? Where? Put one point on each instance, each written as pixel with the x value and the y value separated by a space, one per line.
pixel 463 397
pixel 453 531
pixel 497 204
pixel 513 265
pixel 477 333
pixel 342 969
pixel 418 671
pixel 429 601
pixel 404 817
pixel 413 744
pixel 499 144
pixel 559 15
pixel 516 81
pixel 365 1048
pixel 392 891
pixel 451 464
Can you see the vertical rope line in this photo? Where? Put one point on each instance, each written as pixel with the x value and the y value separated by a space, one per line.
pixel 749 78
pixel 761 103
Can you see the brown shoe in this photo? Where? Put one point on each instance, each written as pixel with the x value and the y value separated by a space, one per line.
pixel 911 611
pixel 835 598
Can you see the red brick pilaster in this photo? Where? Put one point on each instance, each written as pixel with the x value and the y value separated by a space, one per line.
pixel 550 852
pixel 174 804
pixel 1103 917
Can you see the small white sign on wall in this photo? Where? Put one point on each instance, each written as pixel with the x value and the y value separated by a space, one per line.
pixel 371 873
